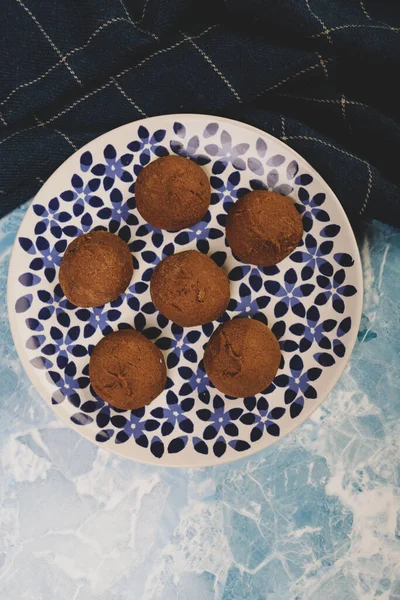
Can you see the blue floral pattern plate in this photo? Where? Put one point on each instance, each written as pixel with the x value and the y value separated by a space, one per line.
pixel 312 300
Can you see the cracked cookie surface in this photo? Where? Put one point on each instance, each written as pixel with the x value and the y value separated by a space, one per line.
pixel 263 228
pixel 189 288
pixel 96 268
pixel 242 357
pixel 127 370
pixel 172 193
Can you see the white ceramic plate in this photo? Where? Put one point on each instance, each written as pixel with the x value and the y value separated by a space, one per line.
pixel 312 300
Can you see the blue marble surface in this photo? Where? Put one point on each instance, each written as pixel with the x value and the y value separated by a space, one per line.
pixel 316 516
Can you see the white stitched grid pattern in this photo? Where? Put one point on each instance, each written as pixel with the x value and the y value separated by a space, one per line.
pixel 129 99
pixel 214 67
pixel 343 103
pixel 280 81
pixel 369 186
pixel 365 10
pixel 52 44
pixel 104 86
pixel 325 100
pixel 314 139
pixel 163 50
pixel 323 65
pixel 63 135
pixel 67 55
pixel 283 126
pixel 144 10
pixel 320 21
pixel 66 138
pixel 387 27
pixel 301 72
pixel 135 23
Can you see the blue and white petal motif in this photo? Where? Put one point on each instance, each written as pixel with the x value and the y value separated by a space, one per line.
pixel 46 256
pixel 157 237
pixel 210 130
pixel 334 289
pixel 336 348
pixel 68 384
pixel 264 418
pixel 194 380
pixel 314 255
pixel 174 414
pixel 51 217
pixel 232 154
pixel 113 168
pixel 272 179
pixel 251 302
pixel 97 318
pixel 255 164
pixel 86 161
pixel 57 303
pixel 305 298
pixel 118 212
pixel 64 345
pixel 298 382
pixel 225 191
pixel 290 295
pixel 190 149
pixel 133 426
pixel 239 273
pixel 314 330
pixel 147 145
pixel 271 184
pixel 201 232
pixel 310 208
pixel 219 418
pixel 81 195
pixel 180 345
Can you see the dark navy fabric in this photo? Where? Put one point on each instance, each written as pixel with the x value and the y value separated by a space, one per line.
pixel 319 74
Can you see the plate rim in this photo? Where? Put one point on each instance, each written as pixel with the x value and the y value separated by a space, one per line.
pixel 213 460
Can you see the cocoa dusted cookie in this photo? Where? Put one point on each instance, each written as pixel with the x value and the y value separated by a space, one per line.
pixel 189 288
pixel 127 370
pixel 263 228
pixel 96 268
pixel 242 357
pixel 172 193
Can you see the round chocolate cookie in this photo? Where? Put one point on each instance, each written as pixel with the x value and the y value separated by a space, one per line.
pixel 172 193
pixel 189 288
pixel 242 357
pixel 263 228
pixel 127 370
pixel 96 268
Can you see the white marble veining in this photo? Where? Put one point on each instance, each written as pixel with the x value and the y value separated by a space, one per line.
pixel 315 516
